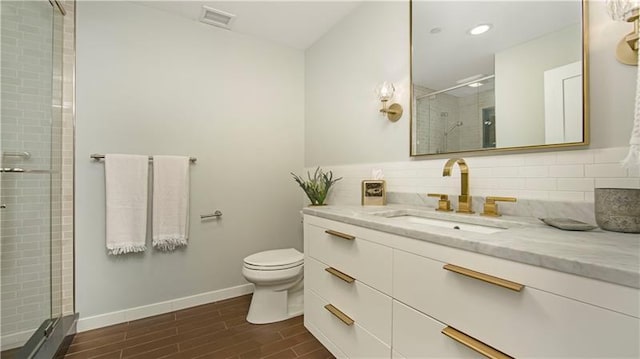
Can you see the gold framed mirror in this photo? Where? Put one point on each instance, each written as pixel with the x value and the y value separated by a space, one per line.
pixel 498 76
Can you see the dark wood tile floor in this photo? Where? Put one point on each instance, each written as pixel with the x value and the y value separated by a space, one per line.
pixel 216 330
pixel 9 354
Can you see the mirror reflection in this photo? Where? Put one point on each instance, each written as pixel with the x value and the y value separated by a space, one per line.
pixel 496 74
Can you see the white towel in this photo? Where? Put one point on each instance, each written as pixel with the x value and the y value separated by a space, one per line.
pixel 126 197
pixel 633 158
pixel 170 202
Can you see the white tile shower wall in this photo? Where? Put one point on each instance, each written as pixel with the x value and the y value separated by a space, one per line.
pixel 470 133
pixel 434 117
pixel 567 176
pixel 26 116
pixel 437 118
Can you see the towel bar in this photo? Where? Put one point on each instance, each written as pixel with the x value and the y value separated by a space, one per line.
pixel 98 157
pixel 216 214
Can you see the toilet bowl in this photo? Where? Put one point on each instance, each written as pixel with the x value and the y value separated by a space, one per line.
pixel 277 277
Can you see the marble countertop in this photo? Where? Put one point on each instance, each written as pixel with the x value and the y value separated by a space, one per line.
pixel 608 256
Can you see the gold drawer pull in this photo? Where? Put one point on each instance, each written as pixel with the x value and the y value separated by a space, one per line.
pixel 341 235
pixel 484 277
pixel 338 314
pixel 337 273
pixel 474 344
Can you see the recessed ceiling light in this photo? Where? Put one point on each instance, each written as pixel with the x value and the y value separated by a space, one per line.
pixel 475 84
pixel 480 29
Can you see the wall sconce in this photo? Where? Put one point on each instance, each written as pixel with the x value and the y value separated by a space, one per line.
pixel 626 10
pixel 385 92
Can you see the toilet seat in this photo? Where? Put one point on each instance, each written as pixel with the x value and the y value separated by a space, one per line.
pixel 273 260
pixel 272 268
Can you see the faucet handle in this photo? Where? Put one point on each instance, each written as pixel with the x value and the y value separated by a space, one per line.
pixel 491 207
pixel 443 203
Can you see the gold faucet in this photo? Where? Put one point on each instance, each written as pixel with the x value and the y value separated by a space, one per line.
pixel 491 207
pixel 444 204
pixel 464 200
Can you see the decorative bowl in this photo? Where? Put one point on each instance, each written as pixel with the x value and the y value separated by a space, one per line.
pixel 618 209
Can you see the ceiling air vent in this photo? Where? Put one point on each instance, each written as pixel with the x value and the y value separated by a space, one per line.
pixel 216 17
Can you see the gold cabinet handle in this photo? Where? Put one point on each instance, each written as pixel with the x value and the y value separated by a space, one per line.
pixel 340 235
pixel 474 344
pixel 339 314
pixel 484 277
pixel 345 277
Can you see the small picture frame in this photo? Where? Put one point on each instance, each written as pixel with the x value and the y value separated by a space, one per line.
pixel 374 193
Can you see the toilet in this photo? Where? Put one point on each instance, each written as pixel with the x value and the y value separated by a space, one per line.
pixel 277 276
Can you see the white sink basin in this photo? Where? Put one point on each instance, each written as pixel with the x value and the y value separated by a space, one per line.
pixel 462 222
pixel 447 224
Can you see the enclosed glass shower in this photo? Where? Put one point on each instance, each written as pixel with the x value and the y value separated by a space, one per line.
pixel 31 173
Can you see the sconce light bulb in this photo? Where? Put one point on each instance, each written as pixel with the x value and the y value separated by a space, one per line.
pixel 385 91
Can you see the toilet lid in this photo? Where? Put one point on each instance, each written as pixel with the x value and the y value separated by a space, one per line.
pixel 275 259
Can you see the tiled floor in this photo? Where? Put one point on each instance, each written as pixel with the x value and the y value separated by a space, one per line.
pixel 216 330
pixel 9 354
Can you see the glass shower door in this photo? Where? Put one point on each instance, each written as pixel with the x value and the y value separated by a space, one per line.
pixel 30 178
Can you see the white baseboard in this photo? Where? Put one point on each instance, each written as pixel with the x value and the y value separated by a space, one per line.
pixel 15 340
pixel 122 316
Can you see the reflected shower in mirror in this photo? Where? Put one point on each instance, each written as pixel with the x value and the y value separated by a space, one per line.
pixel 497 75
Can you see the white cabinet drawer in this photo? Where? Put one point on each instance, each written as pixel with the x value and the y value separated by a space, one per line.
pixel 352 340
pixel 529 323
pixel 368 307
pixel 368 262
pixel 419 336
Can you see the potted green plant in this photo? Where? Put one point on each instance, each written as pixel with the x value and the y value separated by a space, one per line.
pixel 316 187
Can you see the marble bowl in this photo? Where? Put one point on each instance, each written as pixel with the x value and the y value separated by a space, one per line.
pixel 618 209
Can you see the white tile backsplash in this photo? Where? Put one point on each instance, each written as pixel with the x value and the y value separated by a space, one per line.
pixel 628 182
pixel 610 155
pixel 600 170
pixel 570 171
pixel 533 171
pixel 554 176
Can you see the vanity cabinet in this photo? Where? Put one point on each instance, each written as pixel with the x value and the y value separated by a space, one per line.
pixel 347 292
pixel 345 249
pixel 403 293
pixel 417 335
pixel 526 323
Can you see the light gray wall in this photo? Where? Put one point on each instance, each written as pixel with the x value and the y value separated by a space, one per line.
pixel 520 84
pixel 343 68
pixel 149 82
pixel 372 45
